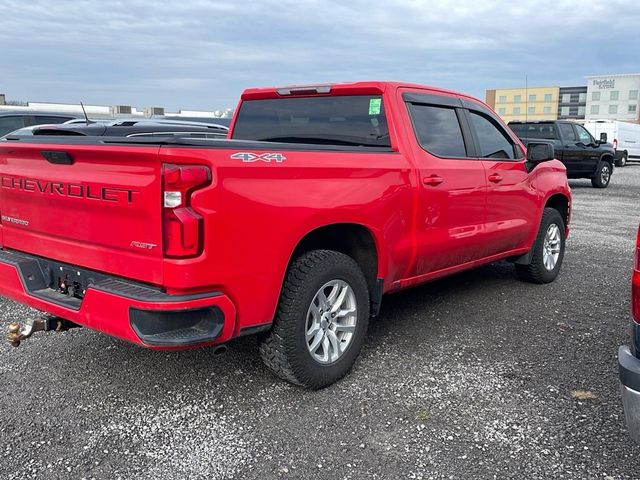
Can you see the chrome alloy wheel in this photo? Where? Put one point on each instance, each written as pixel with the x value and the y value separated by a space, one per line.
pixel 551 247
pixel 331 321
pixel 605 174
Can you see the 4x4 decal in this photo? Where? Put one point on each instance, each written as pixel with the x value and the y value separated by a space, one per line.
pixel 248 157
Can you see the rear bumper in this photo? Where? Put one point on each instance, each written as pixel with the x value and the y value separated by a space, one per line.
pixel 133 312
pixel 629 366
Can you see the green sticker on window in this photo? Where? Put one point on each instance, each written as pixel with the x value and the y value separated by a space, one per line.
pixel 374 106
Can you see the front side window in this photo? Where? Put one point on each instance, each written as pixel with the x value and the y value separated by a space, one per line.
pixel 438 130
pixel 567 132
pixel 583 135
pixel 357 120
pixel 493 142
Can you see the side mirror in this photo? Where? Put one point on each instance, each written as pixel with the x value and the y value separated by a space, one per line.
pixel 540 152
pixel 603 137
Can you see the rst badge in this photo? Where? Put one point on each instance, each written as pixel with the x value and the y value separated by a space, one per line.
pixel 249 157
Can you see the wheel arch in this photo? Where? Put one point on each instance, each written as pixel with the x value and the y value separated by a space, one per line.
pixel 355 240
pixel 562 204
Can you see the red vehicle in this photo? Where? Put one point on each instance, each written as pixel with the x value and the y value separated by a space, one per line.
pixel 321 200
pixel 629 358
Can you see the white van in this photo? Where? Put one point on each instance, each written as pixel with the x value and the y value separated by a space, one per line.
pixel 624 136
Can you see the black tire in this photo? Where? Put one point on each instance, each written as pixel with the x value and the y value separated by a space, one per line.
pixel 536 272
pixel 622 162
pixel 284 348
pixel 602 175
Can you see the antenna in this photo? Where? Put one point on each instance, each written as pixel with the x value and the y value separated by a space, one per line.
pixel 526 96
pixel 89 122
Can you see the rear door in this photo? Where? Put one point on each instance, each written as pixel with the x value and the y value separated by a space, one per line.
pixel 452 191
pixel 512 199
pixel 94 206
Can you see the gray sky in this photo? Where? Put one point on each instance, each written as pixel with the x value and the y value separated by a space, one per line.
pixel 196 54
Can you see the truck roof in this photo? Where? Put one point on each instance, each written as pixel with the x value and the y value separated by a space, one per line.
pixel 347 88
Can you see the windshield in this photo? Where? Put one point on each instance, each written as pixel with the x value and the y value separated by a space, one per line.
pixel 546 131
pixel 340 120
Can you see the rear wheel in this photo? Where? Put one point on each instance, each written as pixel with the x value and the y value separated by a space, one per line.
pixel 602 175
pixel 548 250
pixel 622 162
pixel 321 321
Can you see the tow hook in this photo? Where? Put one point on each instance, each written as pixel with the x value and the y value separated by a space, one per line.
pixel 19 332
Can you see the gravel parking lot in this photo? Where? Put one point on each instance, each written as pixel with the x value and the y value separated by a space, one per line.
pixel 468 377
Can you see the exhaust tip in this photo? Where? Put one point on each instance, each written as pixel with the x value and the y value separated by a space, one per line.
pixel 220 350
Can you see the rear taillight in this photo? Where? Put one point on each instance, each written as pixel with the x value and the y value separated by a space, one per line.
pixel 182 226
pixel 615 143
pixel 635 283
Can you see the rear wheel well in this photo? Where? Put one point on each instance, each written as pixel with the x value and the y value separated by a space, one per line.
pixel 351 239
pixel 560 203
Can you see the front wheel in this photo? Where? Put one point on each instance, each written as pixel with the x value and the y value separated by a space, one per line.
pixel 321 322
pixel 602 175
pixel 548 250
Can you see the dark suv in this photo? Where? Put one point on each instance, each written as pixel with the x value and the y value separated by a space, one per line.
pixel 10 121
pixel 583 155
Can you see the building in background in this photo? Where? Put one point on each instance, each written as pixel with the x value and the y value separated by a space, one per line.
pixel 572 103
pixel 2 99
pixel 525 103
pixel 613 97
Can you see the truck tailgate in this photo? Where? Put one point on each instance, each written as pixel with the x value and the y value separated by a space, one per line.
pixel 97 207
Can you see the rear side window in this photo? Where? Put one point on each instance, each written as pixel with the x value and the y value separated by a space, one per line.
pixel 493 141
pixel 10 123
pixel 545 131
pixel 438 130
pixel 357 120
pixel 567 132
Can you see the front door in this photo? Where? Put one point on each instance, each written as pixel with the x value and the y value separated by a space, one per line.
pixel 512 199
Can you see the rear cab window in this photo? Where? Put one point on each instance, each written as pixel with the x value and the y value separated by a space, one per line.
pixel 350 120
pixel 540 131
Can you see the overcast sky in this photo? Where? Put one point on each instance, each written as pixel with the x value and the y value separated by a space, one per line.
pixel 201 54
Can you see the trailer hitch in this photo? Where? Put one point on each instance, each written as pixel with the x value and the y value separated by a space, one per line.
pixel 18 332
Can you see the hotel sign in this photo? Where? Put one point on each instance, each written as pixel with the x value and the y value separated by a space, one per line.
pixel 605 84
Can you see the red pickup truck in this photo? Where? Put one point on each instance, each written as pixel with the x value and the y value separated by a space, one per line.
pixel 321 200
